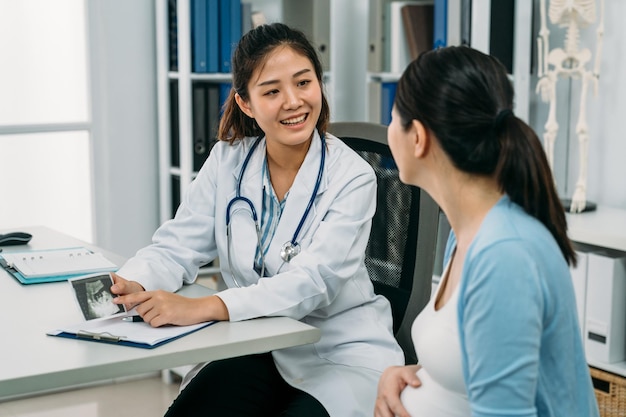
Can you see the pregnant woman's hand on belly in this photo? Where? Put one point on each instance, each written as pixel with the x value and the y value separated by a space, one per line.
pixel 393 380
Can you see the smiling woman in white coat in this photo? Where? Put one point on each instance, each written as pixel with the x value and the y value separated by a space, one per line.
pixel 313 199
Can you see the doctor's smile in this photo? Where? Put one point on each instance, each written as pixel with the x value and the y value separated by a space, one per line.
pixel 295 121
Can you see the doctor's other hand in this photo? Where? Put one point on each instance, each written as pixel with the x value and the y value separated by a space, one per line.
pixel 391 384
pixel 159 308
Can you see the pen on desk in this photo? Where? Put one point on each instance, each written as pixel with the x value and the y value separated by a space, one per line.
pixel 134 319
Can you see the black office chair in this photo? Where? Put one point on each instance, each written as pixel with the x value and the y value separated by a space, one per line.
pixel 401 251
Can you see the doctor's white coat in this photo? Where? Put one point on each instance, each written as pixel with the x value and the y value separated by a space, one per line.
pixel 326 285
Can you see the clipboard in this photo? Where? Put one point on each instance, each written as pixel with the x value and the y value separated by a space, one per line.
pixel 114 330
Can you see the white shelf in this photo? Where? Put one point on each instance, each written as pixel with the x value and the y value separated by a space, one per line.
pixel 383 77
pixel 215 77
pixel 605 227
pixel 218 77
pixel 618 368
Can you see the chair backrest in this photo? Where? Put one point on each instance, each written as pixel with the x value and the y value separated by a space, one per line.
pixel 401 251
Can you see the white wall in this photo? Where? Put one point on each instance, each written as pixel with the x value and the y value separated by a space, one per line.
pixel 606 113
pixel 123 87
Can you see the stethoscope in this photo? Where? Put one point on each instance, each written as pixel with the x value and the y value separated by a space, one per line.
pixel 290 248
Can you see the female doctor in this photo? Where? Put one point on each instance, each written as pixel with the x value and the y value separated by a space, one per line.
pixel 312 198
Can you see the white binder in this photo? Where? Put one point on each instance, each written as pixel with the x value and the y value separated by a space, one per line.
pixel 605 325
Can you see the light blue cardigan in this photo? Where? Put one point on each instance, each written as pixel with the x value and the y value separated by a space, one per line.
pixel 520 339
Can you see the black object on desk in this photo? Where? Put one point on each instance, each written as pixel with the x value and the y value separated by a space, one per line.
pixel 15 238
pixel 133 319
pixel 567 203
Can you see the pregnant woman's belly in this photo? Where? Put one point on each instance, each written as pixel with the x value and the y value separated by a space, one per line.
pixel 432 400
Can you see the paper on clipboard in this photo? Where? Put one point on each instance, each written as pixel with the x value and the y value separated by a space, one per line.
pixel 116 330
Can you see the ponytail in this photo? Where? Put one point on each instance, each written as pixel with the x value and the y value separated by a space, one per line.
pixel 234 123
pixel 524 174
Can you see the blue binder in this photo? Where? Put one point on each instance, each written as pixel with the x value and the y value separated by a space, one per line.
pixel 440 24
pixel 213 36
pixel 230 31
pixel 387 96
pixel 199 37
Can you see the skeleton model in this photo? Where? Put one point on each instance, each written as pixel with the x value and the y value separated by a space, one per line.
pixel 569 62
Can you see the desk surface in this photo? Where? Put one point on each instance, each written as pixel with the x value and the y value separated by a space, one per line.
pixel 605 227
pixel 31 362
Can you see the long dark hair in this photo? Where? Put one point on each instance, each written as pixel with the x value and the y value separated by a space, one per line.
pixel 251 52
pixel 465 98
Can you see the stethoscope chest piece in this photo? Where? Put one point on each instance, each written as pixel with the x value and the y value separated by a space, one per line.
pixel 289 250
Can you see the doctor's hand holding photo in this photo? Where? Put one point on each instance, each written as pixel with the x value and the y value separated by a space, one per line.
pixel 500 336
pixel 287 209
pixel 159 308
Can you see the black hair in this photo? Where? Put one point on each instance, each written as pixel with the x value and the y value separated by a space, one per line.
pixel 465 98
pixel 252 52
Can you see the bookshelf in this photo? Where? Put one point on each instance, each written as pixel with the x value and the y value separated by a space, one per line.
pixel 389 51
pixel 456 22
pixel 178 88
pixel 485 34
pixel 187 92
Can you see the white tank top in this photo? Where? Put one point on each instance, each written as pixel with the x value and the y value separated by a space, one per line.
pixel 436 338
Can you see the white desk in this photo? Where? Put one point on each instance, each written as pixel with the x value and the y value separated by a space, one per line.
pixel 32 362
pixel 603 228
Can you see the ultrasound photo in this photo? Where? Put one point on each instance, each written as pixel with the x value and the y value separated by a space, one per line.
pixel 94 296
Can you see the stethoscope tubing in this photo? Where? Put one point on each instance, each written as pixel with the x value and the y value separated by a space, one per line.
pixel 292 245
pixel 318 182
